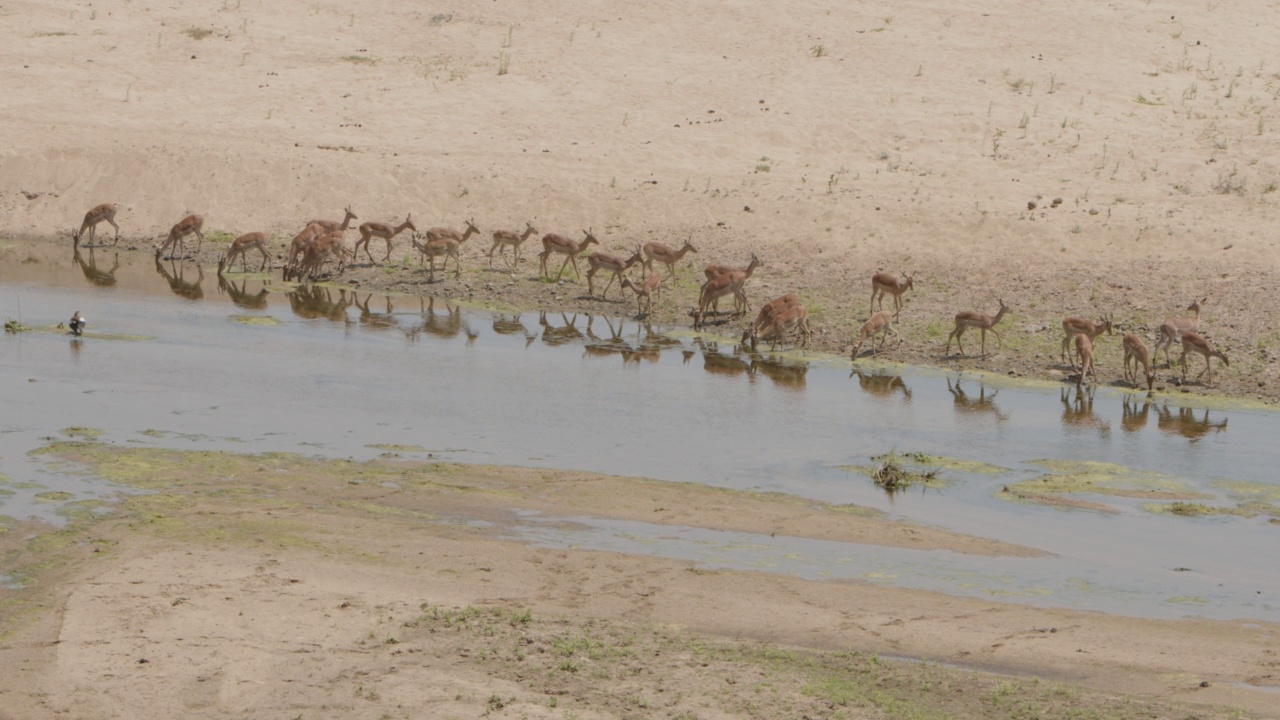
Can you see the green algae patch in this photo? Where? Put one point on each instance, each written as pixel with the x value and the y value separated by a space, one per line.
pixel 256 320
pixel 1069 479
pixel 1249 493
pixel 83 433
pixel 397 448
pixel 943 462
pixel 53 497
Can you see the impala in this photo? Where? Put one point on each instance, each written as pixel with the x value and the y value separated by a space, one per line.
pixel 780 322
pixel 371 230
pixel 241 246
pixel 191 224
pixel 554 243
pixel 329 245
pixel 503 239
pixel 600 260
pixel 330 225
pixel 1084 348
pixel 646 292
pixel 106 212
pixel 432 249
pixel 1172 329
pixel 882 323
pixel 971 319
pixel 714 272
pixel 1196 343
pixel 1135 351
pixel 299 245
pixel 1072 326
pixel 882 283
pixel 767 313
pixel 665 254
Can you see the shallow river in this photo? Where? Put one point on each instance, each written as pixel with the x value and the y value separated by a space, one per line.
pixel 249 366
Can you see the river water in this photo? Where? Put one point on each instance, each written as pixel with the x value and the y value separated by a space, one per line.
pixel 178 357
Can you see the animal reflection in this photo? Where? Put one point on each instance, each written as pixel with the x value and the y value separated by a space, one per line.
pixel 94 274
pixel 1186 424
pixel 513 325
pixel 882 386
pixel 241 296
pixel 385 320
pixel 559 335
pixel 789 376
pixel 1078 412
pixel 1134 418
pixel 983 404
pixel 313 302
pixel 718 363
pixel 445 326
pixel 175 275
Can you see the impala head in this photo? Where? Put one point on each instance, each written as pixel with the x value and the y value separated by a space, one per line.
pixel 688 245
pixel 471 226
pixel 349 215
pixel 909 283
pixel 589 238
pixel 1195 305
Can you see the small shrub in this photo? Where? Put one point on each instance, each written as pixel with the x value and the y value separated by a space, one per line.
pixel 197 33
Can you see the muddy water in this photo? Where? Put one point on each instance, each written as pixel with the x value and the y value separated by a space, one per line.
pixel 176 356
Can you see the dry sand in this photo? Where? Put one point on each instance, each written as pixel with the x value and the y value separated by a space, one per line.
pixel 830 139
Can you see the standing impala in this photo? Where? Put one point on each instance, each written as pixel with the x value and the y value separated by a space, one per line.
pixel 1135 351
pixel 971 319
pixel 1172 329
pixel 432 249
pixel 371 230
pixel 665 254
pixel 1084 348
pixel 1073 326
pixel 106 212
pixel 503 239
pixel 330 225
pixel 882 283
pixel 559 244
pixel 600 260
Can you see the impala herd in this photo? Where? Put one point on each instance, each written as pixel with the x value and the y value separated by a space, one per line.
pixel 322 240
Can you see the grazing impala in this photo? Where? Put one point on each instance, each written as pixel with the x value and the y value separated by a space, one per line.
pixel 1172 329
pixel 299 246
pixel 882 323
pixel 1072 326
pixel 779 323
pixel 241 246
pixel 882 283
pixel 371 230
pixel 1196 343
pixel 767 313
pixel 1084 348
pixel 503 239
pixel 646 292
pixel 329 245
pixel 665 254
pixel 191 224
pixel 600 260
pixel 1135 351
pixel 971 319
pixel 555 243
pixel 106 212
